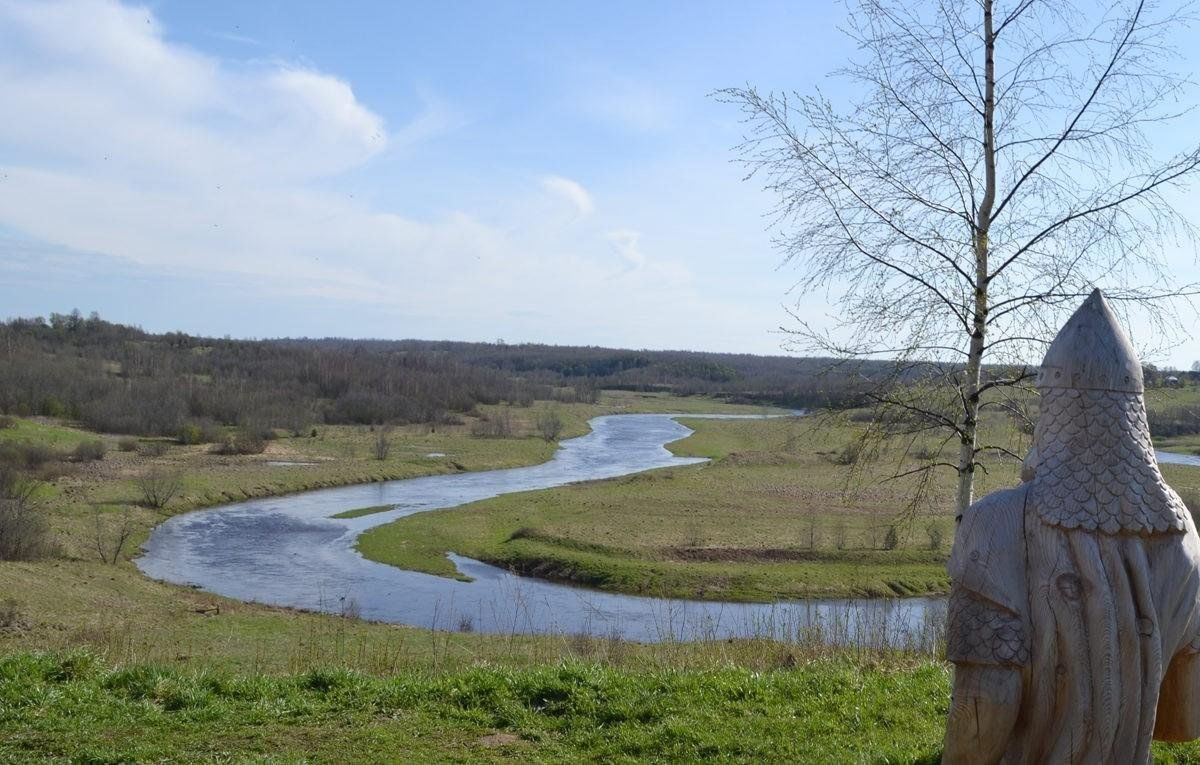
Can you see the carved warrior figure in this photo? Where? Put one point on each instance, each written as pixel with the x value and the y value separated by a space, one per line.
pixel 1074 622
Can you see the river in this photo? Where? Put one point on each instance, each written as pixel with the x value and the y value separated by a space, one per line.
pixel 288 551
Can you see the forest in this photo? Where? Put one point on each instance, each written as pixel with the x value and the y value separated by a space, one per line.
pixel 121 379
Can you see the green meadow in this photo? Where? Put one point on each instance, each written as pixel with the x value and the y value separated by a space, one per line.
pixel 99 664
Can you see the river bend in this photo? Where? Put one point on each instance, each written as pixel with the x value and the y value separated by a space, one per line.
pixel 288 551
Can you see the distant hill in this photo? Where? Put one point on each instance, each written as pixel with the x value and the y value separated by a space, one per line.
pixel 121 379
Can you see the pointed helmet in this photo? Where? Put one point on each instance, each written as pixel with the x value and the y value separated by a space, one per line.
pixel 1092 352
pixel 1095 467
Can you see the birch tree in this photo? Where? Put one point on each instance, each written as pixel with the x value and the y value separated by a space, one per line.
pixel 987 165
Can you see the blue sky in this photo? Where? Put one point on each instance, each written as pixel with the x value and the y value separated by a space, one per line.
pixel 533 171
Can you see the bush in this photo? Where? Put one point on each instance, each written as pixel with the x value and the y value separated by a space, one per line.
pixel 241 441
pixel 549 425
pixel 493 426
pixel 383 442
pixel 27 455
pixel 7 422
pixel 850 454
pixel 153 448
pixel 88 451
pixel 159 486
pixel 24 532
pixel 891 540
pixel 200 432
pixel 934 531
pixel 127 444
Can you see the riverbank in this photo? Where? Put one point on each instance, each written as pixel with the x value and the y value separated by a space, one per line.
pixel 769 518
pixel 75 494
pixel 76 600
pixel 783 510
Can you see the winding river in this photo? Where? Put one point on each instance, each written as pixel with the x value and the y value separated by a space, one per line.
pixel 288 551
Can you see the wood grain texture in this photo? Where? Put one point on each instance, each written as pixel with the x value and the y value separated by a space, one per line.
pixel 1074 621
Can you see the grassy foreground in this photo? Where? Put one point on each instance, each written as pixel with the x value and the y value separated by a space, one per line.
pixel 99 664
pixel 71 707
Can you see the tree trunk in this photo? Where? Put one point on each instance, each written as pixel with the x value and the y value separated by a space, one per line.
pixel 970 389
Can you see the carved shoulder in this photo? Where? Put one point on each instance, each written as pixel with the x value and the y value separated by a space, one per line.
pixel 987 557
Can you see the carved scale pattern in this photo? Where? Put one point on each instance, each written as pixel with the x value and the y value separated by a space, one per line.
pixel 1096 468
pixel 980 632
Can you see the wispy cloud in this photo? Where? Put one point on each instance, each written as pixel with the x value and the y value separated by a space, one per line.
pixel 571 191
pixel 136 150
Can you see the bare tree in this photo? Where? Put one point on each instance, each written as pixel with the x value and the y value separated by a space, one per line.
pixel 383 442
pixel 110 541
pixel 997 162
pixel 159 486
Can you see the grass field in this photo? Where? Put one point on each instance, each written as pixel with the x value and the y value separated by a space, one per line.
pixel 338 455
pixel 75 600
pixel 770 517
pixel 780 512
pixel 100 664
pixel 74 708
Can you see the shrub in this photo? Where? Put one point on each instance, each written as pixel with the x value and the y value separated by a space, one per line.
pixel 839 536
pixel 850 454
pixel 549 425
pixel 110 538
pixel 24 532
pixel 189 433
pixel 52 406
pixel 241 441
pixel 27 455
pixel 891 540
pixel 158 486
pixel 934 531
pixel 153 448
pixel 200 432
pixel 383 442
pixel 88 451
pixel 127 444
pixel 7 422
pixel 493 426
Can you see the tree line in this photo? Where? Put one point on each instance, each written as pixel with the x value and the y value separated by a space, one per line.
pixel 121 379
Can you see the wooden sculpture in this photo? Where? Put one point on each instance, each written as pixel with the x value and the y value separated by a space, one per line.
pixel 1074 624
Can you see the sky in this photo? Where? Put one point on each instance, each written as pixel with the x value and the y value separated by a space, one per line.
pixel 526 171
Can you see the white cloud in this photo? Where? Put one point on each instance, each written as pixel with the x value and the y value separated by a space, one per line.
pixel 134 148
pixel 571 191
